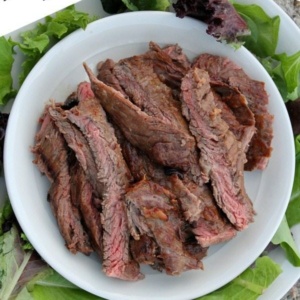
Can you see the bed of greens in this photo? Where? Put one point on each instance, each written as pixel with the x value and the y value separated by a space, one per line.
pixel 23 274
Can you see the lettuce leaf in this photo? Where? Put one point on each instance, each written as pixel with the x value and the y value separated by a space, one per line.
pixel 284 69
pixel 6 63
pixel 285 72
pixel 36 42
pixel 49 285
pixel 147 5
pixel 293 210
pixel 264 30
pixel 250 284
pixel 284 238
pixel 13 260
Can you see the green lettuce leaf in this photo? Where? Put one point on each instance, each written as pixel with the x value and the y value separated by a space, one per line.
pixel 285 72
pixel 49 285
pixel 264 30
pixel 293 210
pixel 13 261
pixel 6 63
pixel 250 284
pixel 284 238
pixel 36 42
pixel 284 69
pixel 147 5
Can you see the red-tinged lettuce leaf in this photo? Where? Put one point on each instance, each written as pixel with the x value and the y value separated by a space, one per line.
pixel 224 23
pixel 250 284
pixel 49 285
pixel 13 261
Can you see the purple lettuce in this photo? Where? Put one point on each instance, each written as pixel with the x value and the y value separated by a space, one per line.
pixel 224 23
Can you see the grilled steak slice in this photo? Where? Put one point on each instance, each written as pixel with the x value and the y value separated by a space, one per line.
pixel 113 178
pixel 167 145
pixel 235 112
pixel 151 208
pixel 78 143
pixel 170 64
pixel 51 156
pixel 212 226
pixel 222 69
pixel 143 87
pixel 221 157
pixel 82 196
pixel 145 250
pixel 198 206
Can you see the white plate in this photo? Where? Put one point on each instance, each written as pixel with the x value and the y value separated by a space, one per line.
pixel 56 76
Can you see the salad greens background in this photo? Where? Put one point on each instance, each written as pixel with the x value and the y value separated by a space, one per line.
pixel 23 274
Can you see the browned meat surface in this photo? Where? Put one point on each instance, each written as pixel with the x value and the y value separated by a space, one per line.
pixel 51 156
pixel 222 69
pixel 198 206
pixel 221 157
pixel 113 178
pixel 235 112
pixel 146 161
pixel 82 196
pixel 167 145
pixel 151 209
pixel 170 64
pixel 137 80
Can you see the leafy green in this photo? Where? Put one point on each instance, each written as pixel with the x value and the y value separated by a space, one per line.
pixel 285 72
pixel 13 260
pixel 293 210
pixel 250 284
pixel 6 63
pixel 49 285
pixel 284 69
pixel 23 274
pixel 264 30
pixel 6 213
pixel 36 42
pixel 284 238
pixel 147 5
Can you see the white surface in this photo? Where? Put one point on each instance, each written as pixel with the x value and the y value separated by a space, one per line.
pixel 15 14
pixel 57 75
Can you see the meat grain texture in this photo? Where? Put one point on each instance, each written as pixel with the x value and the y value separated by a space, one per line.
pixel 152 157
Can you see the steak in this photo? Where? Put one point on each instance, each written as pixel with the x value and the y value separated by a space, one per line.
pixel 78 143
pixel 151 208
pixel 143 87
pixel 235 112
pixel 222 69
pixel 222 159
pixel 170 64
pixel 197 204
pixel 167 145
pixel 82 196
pixel 52 156
pixel 113 178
